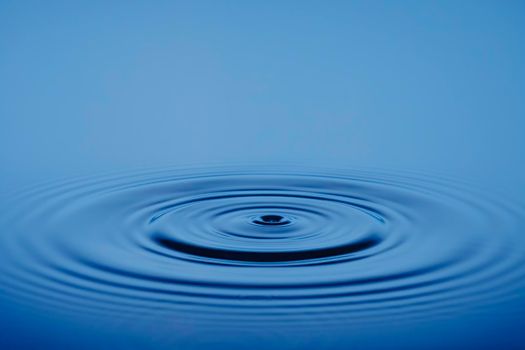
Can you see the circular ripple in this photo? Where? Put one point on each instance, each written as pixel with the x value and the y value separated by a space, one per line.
pixel 262 245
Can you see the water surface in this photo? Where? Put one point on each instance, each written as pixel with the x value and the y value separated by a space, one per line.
pixel 262 249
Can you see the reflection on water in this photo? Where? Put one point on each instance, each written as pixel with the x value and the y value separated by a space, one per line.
pixel 241 248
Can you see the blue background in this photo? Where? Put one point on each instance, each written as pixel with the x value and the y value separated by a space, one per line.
pixel 424 85
pixel 96 86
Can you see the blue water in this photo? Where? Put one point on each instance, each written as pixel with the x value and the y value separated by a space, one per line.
pixel 262 175
pixel 252 251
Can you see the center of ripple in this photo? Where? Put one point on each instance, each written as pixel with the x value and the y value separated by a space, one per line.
pixel 271 220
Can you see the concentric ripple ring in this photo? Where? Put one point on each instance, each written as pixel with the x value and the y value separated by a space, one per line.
pixel 260 244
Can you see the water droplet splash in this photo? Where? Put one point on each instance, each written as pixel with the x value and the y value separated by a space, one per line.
pixel 271 220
